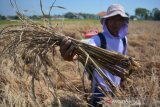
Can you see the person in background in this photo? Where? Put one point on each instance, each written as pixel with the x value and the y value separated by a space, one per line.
pixel 113 38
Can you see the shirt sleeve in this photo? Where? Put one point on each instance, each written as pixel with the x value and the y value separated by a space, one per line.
pixel 95 41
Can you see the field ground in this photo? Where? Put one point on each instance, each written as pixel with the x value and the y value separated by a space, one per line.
pixel 143 44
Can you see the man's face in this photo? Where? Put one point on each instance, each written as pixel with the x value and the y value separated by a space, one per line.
pixel 115 23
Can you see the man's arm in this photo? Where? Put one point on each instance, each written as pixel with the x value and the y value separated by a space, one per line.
pixel 68 51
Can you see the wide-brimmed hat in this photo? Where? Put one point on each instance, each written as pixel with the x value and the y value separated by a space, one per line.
pixel 113 10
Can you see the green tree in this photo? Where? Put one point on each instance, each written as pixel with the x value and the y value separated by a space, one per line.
pixel 69 15
pixel 35 17
pixel 156 14
pixel 2 17
pixel 142 13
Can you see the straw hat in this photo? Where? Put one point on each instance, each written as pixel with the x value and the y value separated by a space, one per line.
pixel 115 9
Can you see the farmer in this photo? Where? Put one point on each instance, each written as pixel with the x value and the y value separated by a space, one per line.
pixel 113 37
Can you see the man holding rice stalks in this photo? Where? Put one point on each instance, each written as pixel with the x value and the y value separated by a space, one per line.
pixel 113 38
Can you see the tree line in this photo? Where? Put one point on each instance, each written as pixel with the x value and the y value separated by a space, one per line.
pixel 140 14
pixel 145 14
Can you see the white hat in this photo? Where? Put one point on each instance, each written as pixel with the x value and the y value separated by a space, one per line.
pixel 115 9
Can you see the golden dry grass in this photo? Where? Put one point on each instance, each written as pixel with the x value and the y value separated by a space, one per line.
pixel 144 44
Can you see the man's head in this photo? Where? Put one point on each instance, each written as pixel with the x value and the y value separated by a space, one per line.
pixel 115 19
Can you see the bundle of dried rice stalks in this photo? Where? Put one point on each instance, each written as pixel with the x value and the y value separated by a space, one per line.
pixel 34 42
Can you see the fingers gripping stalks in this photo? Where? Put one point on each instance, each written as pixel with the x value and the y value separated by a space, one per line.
pixel 67 50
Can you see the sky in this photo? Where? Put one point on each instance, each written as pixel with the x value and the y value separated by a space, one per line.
pixel 84 6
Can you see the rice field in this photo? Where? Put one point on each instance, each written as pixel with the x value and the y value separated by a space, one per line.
pixel 143 44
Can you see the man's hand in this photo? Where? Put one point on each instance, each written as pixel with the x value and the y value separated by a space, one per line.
pixel 67 49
